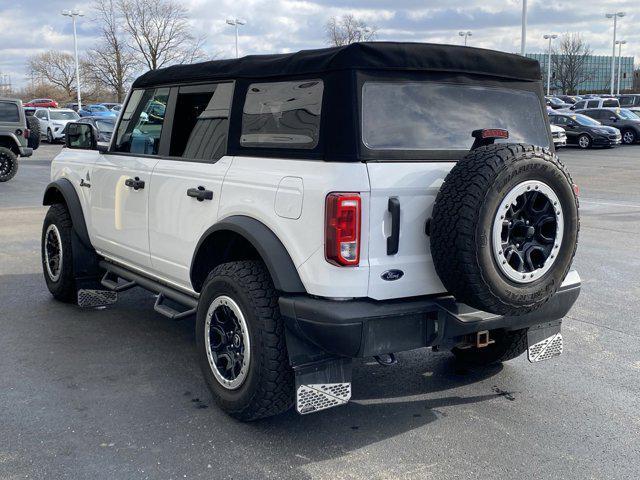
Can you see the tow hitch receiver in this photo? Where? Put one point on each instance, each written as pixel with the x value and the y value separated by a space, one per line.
pixel 483 340
pixel 544 341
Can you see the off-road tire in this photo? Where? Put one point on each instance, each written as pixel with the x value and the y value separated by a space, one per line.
pixel 34 132
pixel 64 288
pixel 268 387
pixel 507 346
pixel 8 164
pixel 629 136
pixel 463 217
pixel 584 141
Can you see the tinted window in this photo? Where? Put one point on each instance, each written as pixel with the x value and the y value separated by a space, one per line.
pixel 558 120
pixel 201 122
pixel 9 112
pixel 141 125
pixel 611 103
pixel 579 105
pixel 434 116
pixel 57 115
pixel 592 103
pixel 585 120
pixel 282 115
pixel 626 101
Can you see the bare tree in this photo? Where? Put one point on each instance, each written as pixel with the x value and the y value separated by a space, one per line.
pixel 160 32
pixel 569 63
pixel 111 63
pixel 55 68
pixel 348 29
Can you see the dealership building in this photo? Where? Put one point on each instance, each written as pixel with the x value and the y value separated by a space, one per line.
pixel 598 68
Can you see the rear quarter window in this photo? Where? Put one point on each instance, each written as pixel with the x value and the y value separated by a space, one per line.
pixel 9 112
pixel 282 115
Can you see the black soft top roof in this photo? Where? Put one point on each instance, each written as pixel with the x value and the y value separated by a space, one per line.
pixel 399 56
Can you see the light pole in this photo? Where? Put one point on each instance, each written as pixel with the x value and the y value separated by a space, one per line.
pixel 620 43
pixel 523 38
pixel 549 37
pixel 235 22
pixel 465 34
pixel 73 14
pixel 613 55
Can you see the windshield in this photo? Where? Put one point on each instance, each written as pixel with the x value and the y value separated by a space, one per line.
pixel 105 126
pixel 442 116
pixel 626 114
pixel 63 115
pixel 98 108
pixel 584 120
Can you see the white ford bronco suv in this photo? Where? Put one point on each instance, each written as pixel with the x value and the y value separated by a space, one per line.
pixel 315 207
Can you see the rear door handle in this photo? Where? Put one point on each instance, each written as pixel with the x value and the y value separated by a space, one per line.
pixel 200 193
pixel 134 183
pixel 393 241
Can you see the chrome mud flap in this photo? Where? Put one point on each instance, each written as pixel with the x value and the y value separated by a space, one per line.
pixel 544 341
pixel 323 385
pixel 88 298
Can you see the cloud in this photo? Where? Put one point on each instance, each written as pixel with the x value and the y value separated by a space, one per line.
pixel 33 26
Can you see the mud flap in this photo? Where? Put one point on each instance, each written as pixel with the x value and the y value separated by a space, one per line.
pixel 544 341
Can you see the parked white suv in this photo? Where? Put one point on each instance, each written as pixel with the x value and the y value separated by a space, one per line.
pixel 53 120
pixel 316 207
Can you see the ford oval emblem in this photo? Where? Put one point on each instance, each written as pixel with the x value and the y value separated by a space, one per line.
pixel 391 275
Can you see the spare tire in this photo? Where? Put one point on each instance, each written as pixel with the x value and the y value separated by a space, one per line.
pixel 504 228
pixel 34 132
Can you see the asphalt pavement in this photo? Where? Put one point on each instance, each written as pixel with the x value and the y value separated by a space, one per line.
pixel 115 393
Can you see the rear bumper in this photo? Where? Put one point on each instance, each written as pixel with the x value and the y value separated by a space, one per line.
pixel 362 328
pixel 26 151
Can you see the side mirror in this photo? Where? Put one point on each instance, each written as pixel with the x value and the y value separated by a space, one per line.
pixel 81 136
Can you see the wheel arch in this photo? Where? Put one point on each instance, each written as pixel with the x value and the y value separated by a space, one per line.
pixel 240 237
pixel 11 142
pixel 63 191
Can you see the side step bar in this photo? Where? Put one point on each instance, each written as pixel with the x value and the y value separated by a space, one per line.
pixel 131 279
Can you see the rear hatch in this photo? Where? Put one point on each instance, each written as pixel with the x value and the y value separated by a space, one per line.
pixel 415 131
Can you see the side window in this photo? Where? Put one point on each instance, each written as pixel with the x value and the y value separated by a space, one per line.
pixel 282 115
pixel 592 104
pixel 201 122
pixel 39 114
pixel 141 125
pixel 611 103
pixel 626 101
pixel 559 120
pixel 9 112
pixel 579 105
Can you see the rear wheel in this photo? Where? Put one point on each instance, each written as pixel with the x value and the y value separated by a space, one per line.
pixel 584 141
pixel 506 346
pixel 57 254
pixel 629 137
pixel 34 132
pixel 241 344
pixel 8 164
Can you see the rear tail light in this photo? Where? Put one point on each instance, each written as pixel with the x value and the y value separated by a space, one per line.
pixel 342 229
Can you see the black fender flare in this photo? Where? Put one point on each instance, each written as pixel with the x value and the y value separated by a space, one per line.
pixel 65 189
pixel 274 254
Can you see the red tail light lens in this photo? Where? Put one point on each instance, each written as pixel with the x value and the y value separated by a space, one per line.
pixel 342 229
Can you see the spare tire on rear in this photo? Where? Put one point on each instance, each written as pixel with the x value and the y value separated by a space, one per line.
pixel 504 228
pixel 34 132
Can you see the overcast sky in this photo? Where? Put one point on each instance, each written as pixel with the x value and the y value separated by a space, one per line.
pixel 28 27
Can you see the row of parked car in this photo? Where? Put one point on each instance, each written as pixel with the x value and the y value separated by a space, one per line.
pixel 53 122
pixel 594 121
pixel 106 109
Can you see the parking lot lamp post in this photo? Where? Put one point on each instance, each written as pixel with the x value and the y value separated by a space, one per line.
pixel 613 55
pixel 549 37
pixel 73 14
pixel 235 22
pixel 620 43
pixel 523 39
pixel 465 34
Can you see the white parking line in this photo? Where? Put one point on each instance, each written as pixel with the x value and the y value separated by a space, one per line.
pixel 609 204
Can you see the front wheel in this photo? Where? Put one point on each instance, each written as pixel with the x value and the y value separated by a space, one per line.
pixel 629 137
pixel 506 346
pixel 57 254
pixel 8 164
pixel 584 141
pixel 50 138
pixel 241 342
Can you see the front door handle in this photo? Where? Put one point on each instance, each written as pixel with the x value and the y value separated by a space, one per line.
pixel 134 183
pixel 200 193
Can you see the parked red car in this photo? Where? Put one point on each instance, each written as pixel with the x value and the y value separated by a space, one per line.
pixel 42 103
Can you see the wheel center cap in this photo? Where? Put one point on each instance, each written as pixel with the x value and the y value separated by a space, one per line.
pixel 530 232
